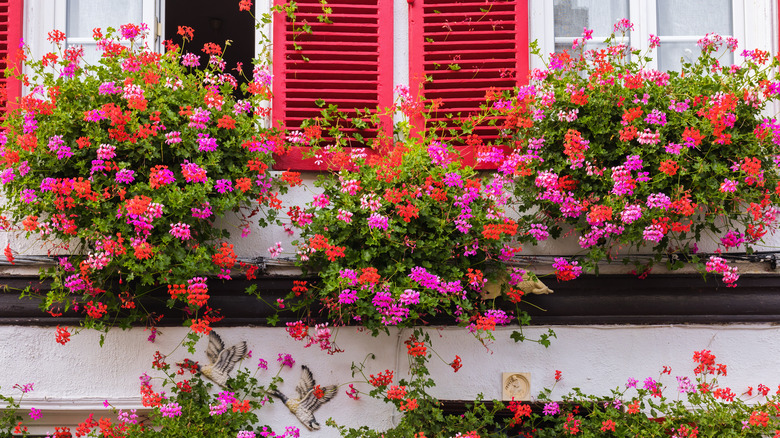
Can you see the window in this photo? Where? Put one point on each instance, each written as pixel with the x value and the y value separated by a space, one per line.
pixel 463 46
pixel 214 22
pixel 678 23
pixel 85 15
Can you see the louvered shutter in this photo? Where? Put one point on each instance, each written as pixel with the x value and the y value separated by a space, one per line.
pixel 347 62
pixel 465 47
pixel 10 36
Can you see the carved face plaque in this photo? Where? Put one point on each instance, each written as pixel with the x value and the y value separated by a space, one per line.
pixel 516 386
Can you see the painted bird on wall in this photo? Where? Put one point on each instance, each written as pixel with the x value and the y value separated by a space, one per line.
pixel 310 397
pixel 221 360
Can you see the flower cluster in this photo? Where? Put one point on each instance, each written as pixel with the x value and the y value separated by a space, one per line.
pixel 663 405
pixel 686 408
pixel 129 181
pixel 628 156
pixel 408 235
pixel 186 405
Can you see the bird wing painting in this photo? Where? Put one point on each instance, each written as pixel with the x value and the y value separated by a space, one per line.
pixel 309 398
pixel 221 360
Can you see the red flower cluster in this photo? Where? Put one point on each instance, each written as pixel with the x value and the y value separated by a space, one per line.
pixel 177 290
pixel 382 379
pixel 758 418
pixel 333 252
pixel 299 287
pixel 184 386
pixel 56 36
pixel 62 432
pixel 225 256
pixel 396 392
pixel 85 427
pixel 416 348
pixel 519 410
pixel 292 178
pixel 369 276
pixel 494 231
pixel 186 32
pixel 96 310
pixel 669 167
pixel 456 364
pixel 297 330
pixel 241 406
pixel 629 115
pixel 484 323
pixel 706 363
pixel 212 49
pixel 187 365
pixel 574 146
pixel 63 335
pixel 9 254
pixel 149 398
pixel 318 242
pixel 516 295
pixel 408 404
pixel 197 294
pixel 408 211
pixel 599 214
pixel 201 326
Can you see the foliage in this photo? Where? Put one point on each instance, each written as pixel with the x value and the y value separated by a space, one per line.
pixel 399 238
pixel 628 158
pixel 195 409
pixel 189 406
pixel 423 415
pixel 10 421
pixel 698 407
pixel 123 166
pixel 689 408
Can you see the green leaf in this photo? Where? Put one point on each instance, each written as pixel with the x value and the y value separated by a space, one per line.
pixel 517 336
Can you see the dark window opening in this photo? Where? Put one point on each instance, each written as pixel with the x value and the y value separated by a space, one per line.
pixel 214 22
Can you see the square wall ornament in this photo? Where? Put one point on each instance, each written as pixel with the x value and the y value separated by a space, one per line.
pixel 516 386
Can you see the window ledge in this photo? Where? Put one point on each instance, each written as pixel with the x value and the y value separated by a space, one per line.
pixel 604 299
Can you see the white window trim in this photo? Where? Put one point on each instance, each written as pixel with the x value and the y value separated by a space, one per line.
pixel 755 26
pixel 43 16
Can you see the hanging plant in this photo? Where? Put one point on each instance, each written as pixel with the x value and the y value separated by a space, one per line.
pixel 630 159
pixel 401 237
pixel 121 167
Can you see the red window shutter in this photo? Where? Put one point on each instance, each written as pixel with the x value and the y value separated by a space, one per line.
pixel 10 36
pixel 350 64
pixel 466 47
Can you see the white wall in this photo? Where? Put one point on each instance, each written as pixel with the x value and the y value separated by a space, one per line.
pixel 77 377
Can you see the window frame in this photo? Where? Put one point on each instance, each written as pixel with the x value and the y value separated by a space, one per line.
pixel 754 29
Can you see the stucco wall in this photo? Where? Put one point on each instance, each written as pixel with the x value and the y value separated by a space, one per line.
pixel 74 379
pixel 77 377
